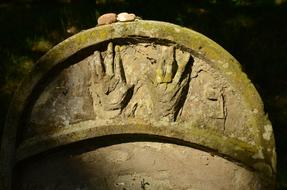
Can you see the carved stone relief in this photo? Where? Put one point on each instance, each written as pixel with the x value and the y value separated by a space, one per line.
pixel 140 83
pixel 108 86
pixel 132 82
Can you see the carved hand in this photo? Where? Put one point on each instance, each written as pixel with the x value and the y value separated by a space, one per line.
pixel 110 82
pixel 169 89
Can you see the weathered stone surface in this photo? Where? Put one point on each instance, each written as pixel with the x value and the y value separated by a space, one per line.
pixel 107 18
pixel 137 166
pixel 141 77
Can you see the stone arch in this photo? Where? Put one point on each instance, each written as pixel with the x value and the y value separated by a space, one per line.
pixel 174 83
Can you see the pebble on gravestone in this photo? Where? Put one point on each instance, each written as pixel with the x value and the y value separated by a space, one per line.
pixel 107 18
pixel 125 17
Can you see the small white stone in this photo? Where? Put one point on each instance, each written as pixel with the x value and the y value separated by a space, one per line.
pixel 125 17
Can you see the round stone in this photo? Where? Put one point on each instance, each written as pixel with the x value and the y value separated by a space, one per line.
pixel 107 18
pixel 125 17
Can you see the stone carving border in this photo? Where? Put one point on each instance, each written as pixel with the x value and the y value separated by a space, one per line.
pixel 220 59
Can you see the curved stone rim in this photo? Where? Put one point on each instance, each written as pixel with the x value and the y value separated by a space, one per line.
pixel 87 130
pixel 203 46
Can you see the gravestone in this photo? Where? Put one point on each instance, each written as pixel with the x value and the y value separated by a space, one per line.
pixel 137 105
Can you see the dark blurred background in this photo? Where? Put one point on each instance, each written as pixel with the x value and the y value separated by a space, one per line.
pixel 253 31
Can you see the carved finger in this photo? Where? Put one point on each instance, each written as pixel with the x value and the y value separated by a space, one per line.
pixel 182 58
pixel 109 60
pixel 97 63
pixel 176 91
pixel 161 67
pixel 119 70
pixel 169 59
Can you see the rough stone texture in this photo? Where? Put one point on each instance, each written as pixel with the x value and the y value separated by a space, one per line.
pixel 136 166
pixel 141 77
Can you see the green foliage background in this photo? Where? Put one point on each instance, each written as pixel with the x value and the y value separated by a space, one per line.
pixel 253 31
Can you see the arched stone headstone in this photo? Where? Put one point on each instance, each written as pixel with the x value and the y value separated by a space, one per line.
pixel 137 105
